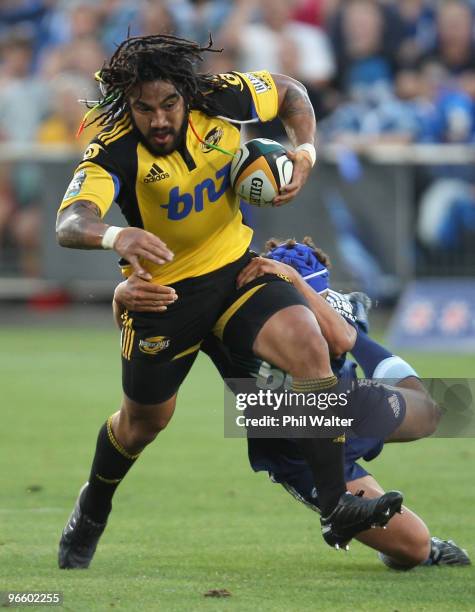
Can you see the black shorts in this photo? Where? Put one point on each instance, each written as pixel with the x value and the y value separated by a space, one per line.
pixel 158 349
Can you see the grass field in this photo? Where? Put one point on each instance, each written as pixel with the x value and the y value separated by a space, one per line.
pixel 191 516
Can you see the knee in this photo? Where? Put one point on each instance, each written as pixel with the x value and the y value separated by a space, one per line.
pixel 142 432
pixel 139 426
pixel 433 416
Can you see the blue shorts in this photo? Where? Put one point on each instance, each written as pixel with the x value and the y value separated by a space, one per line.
pixel 283 462
pixel 281 457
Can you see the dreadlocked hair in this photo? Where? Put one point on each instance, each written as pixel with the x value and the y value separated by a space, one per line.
pixel 322 257
pixel 140 59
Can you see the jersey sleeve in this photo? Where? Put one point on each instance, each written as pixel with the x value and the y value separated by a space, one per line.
pixel 342 306
pixel 94 180
pixel 247 95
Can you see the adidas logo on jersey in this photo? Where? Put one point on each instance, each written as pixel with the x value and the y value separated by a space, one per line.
pixel 155 174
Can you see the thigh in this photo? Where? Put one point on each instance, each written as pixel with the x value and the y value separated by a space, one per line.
pixel 249 308
pixel 376 410
pixel 150 382
pixel 158 349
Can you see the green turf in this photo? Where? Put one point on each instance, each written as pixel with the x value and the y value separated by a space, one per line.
pixel 191 516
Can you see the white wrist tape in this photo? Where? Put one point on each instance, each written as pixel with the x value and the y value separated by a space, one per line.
pixel 110 236
pixel 310 150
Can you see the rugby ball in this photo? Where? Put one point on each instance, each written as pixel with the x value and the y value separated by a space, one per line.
pixel 258 171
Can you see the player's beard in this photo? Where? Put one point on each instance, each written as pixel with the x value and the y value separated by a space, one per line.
pixel 160 150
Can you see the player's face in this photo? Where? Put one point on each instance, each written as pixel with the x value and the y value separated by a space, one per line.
pixel 158 111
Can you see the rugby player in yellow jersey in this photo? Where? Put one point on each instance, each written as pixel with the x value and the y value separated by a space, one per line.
pixel 164 157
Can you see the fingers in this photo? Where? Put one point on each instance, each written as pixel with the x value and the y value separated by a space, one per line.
pixel 257 267
pixel 246 275
pixel 302 167
pixel 140 295
pixel 137 285
pixel 137 267
pixel 151 254
pixel 155 247
pixel 147 306
pixel 134 242
pixel 143 303
pixel 286 196
pixel 260 266
pixel 152 298
pixel 139 270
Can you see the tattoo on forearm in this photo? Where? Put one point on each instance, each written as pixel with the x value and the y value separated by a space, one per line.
pixel 80 227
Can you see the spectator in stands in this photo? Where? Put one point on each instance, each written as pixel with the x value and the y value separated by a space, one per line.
pixel 195 19
pixel 418 30
pixel 317 12
pixel 155 17
pixel 22 223
pixel 23 102
pixel 446 216
pixel 282 45
pixel 23 97
pixel 358 125
pixel 455 47
pixel 117 16
pixel 7 204
pixel 32 15
pixel 65 116
pixel 75 19
pixel 311 12
pixel 365 66
pixel 83 55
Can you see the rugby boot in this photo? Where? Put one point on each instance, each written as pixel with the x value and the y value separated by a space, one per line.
pixel 446 552
pixel 355 513
pixel 79 538
pixel 442 552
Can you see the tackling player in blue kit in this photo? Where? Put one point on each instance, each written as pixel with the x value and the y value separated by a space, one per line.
pixel 406 542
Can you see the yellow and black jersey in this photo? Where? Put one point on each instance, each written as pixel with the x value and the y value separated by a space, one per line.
pixel 184 197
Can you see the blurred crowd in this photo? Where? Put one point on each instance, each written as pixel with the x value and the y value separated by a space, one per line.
pixel 376 70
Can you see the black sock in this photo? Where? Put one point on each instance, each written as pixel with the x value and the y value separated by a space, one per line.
pixel 325 456
pixel 110 464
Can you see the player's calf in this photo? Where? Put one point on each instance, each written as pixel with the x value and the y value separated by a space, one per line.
pixel 405 541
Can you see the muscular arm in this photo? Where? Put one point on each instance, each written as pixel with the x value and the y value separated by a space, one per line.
pixel 80 226
pixel 295 110
pixel 338 333
pixel 296 113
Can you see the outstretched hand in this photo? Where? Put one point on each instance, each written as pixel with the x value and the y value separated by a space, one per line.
pixel 134 243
